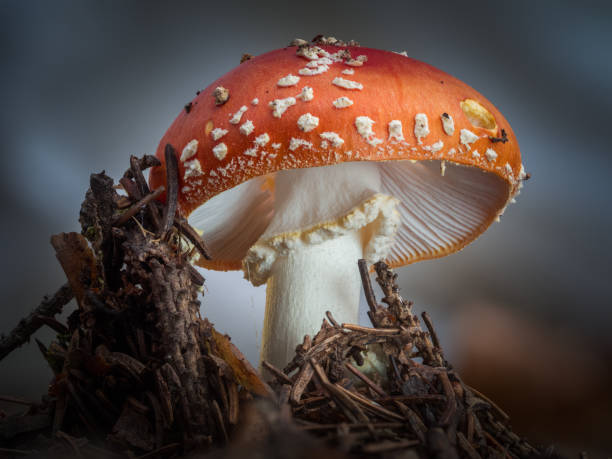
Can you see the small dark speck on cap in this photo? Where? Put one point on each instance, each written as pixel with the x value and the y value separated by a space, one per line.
pixel 188 107
pixel 245 57
pixel 441 82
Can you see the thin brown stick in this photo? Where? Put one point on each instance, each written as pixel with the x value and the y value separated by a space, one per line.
pixel 144 163
pixel 379 390
pixel 17 401
pixel 282 377
pixel 191 234
pixel 501 412
pixel 53 324
pixel 367 285
pixel 172 183
pixel 331 319
pixel 373 331
pixel 135 166
pixel 425 398
pixel 467 447
pixel 130 188
pixel 432 331
pixel 450 399
pixel 28 326
pixel 379 410
pixel 138 206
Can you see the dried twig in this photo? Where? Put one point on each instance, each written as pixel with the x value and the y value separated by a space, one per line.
pixel 172 194
pixel 49 307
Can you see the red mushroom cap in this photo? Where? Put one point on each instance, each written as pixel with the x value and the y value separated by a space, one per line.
pixel 310 106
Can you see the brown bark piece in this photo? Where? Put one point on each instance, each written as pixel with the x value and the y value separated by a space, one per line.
pixel 77 261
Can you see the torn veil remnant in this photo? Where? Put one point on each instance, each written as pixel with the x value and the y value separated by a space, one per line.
pixel 313 183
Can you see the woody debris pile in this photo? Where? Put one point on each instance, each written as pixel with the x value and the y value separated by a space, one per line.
pixel 138 372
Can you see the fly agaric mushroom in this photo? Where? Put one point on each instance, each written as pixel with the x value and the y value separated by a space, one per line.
pixel 318 156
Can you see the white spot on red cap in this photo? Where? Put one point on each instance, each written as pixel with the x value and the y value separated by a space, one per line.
pixel 316 71
pixel 347 84
pixel 276 146
pixel 395 130
pixel 320 61
pixel 307 94
pixel 421 126
pixel 364 128
pixel 342 102
pixel 235 118
pixel 190 150
pixel 262 139
pixel 447 123
pixel 251 151
pixel 280 106
pixel 354 63
pixel 193 168
pixel 491 154
pixel 289 80
pixel 466 137
pixel 332 137
pixel 434 147
pixel 255 101
pixel 296 143
pixel 307 122
pixel 475 154
pixel 348 71
pixel 220 150
pixel 247 127
pixel 309 52
pixel 358 61
pixel 217 133
pixel 508 168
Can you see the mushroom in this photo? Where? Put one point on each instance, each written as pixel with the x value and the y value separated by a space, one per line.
pixel 350 153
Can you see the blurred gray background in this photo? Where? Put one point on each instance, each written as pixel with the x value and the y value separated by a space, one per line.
pixel 85 84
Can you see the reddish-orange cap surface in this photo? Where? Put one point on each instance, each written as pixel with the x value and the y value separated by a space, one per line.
pixel 310 106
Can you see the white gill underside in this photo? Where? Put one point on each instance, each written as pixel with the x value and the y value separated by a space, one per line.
pixel 437 213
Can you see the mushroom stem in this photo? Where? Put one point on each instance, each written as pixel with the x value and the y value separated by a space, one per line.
pixel 303 285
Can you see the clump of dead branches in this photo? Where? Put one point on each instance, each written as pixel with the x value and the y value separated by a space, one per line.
pixel 137 370
pixel 388 389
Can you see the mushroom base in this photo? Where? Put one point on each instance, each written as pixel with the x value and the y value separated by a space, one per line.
pixel 303 285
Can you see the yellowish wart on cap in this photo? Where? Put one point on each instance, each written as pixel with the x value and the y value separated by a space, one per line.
pixel 477 115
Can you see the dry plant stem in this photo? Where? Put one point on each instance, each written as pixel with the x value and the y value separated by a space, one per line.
pixel 172 195
pixel 135 166
pixel 16 400
pixel 135 208
pixel 140 367
pixel 192 235
pixel 364 272
pixel 48 307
